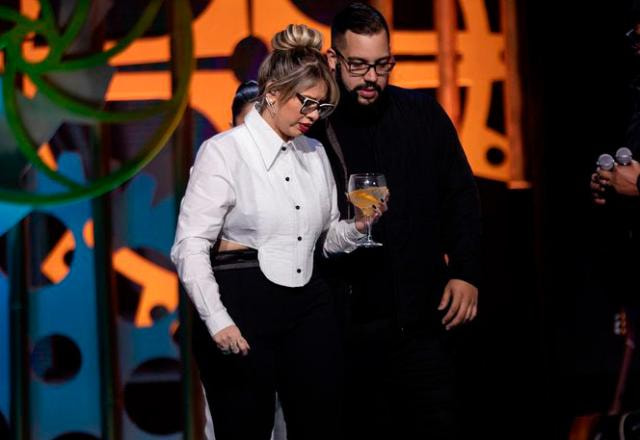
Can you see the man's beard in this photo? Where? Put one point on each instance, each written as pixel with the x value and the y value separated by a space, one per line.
pixel 351 96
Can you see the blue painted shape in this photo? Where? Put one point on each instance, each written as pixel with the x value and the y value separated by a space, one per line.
pixel 140 223
pixel 10 215
pixel 69 309
pixel 4 346
pixel 144 225
pixel 69 165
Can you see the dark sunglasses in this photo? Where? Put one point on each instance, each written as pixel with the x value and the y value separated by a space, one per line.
pixel 309 105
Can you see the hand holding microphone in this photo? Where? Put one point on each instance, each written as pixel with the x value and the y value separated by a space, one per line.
pixel 620 173
pixel 605 162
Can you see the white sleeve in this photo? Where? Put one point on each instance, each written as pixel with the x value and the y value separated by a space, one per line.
pixel 208 198
pixel 342 235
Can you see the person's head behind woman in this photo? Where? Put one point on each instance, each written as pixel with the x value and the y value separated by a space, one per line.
pixel 243 101
pixel 296 87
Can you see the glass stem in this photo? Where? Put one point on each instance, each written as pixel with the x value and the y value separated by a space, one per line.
pixel 368 228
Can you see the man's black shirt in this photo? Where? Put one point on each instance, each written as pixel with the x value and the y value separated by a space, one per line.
pixel 433 208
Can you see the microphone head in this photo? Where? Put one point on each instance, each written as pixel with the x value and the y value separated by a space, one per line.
pixel 605 162
pixel 624 156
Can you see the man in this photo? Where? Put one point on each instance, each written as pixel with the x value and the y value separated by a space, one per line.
pixel 404 295
pixel 625 180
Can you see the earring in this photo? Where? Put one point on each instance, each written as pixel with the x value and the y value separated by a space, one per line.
pixel 270 106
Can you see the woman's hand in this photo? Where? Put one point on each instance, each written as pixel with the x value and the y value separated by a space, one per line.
pixel 370 215
pixel 229 339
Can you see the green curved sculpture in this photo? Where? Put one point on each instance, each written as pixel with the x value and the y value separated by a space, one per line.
pixel 16 65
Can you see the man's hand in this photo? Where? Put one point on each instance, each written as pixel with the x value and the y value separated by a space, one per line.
pixel 229 339
pixel 462 299
pixel 623 178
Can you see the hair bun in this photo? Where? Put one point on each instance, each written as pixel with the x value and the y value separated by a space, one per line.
pixel 297 36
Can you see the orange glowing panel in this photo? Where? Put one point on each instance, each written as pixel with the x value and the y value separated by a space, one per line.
pixel 212 93
pixel 224 23
pixel 53 266
pixel 415 74
pixel 28 88
pixel 33 54
pixel 143 50
pixel 159 285
pixel 30 8
pixel 480 64
pixel 45 153
pixel 216 31
pixel 274 15
pixel 87 233
pixel 414 42
pixel 134 86
pixel 220 27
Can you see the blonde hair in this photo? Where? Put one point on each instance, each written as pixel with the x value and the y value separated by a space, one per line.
pixel 295 64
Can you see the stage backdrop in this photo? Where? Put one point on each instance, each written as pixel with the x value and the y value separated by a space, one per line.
pixel 103 105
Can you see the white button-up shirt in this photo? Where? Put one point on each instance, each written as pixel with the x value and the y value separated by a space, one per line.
pixel 250 187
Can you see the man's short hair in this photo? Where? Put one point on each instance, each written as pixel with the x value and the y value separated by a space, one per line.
pixel 358 18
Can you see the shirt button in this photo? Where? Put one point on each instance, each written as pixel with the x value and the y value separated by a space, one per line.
pixel 287 179
pixel 299 238
pixel 297 206
pixel 298 270
pixel 284 148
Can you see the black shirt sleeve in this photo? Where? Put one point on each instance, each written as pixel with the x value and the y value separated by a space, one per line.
pixel 460 203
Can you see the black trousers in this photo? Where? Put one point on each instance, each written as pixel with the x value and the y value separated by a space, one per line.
pixel 399 386
pixel 295 350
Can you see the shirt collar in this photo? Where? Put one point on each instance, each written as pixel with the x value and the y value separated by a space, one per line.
pixel 268 141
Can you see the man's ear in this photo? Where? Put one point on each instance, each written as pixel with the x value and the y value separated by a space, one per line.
pixel 332 59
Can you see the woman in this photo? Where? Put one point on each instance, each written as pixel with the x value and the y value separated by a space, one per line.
pixel 267 189
pixel 243 101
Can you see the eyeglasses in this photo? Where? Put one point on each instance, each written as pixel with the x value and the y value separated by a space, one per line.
pixel 360 68
pixel 309 105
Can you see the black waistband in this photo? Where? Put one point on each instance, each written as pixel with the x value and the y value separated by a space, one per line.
pixel 241 259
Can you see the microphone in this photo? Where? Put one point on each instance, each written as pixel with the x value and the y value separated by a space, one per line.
pixel 624 156
pixel 605 162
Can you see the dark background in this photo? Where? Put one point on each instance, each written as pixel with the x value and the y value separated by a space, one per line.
pixel 557 269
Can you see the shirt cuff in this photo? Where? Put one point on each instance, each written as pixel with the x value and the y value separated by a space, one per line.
pixel 351 232
pixel 343 237
pixel 218 321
